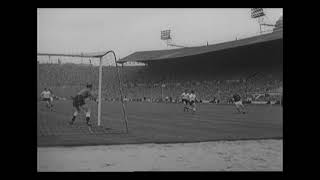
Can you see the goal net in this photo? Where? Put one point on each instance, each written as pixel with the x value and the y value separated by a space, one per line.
pixel 65 75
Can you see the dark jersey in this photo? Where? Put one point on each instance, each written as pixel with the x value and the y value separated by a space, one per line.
pixel 79 100
pixel 85 93
pixel 236 98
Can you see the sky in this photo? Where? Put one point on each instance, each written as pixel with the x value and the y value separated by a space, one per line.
pixel 126 31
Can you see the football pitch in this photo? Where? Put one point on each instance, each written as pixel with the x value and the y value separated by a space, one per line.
pixel 156 123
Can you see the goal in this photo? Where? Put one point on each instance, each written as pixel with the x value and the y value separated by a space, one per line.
pixel 101 56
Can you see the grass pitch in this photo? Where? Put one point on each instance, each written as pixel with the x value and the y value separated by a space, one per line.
pixel 156 123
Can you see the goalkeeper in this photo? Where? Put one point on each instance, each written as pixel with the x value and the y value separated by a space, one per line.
pixel 80 105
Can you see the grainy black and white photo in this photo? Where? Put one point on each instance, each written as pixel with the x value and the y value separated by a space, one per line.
pixel 159 89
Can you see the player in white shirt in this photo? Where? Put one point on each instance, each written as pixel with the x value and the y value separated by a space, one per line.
pixel 47 97
pixel 185 101
pixel 192 101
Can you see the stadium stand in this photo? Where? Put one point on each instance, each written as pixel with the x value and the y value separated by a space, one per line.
pixel 251 67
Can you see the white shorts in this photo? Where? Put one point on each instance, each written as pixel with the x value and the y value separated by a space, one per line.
pixel 239 103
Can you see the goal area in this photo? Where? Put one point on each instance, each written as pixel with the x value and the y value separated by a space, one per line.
pixel 101 57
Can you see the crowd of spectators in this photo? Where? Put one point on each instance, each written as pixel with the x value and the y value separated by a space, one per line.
pixel 139 85
pixel 215 91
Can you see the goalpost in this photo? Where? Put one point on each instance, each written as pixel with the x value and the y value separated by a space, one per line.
pixel 100 56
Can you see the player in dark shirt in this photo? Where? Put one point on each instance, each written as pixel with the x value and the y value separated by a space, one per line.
pixel 236 97
pixel 51 97
pixel 238 102
pixel 192 101
pixel 80 105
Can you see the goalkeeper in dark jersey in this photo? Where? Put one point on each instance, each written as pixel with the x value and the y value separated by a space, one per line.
pixel 80 105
